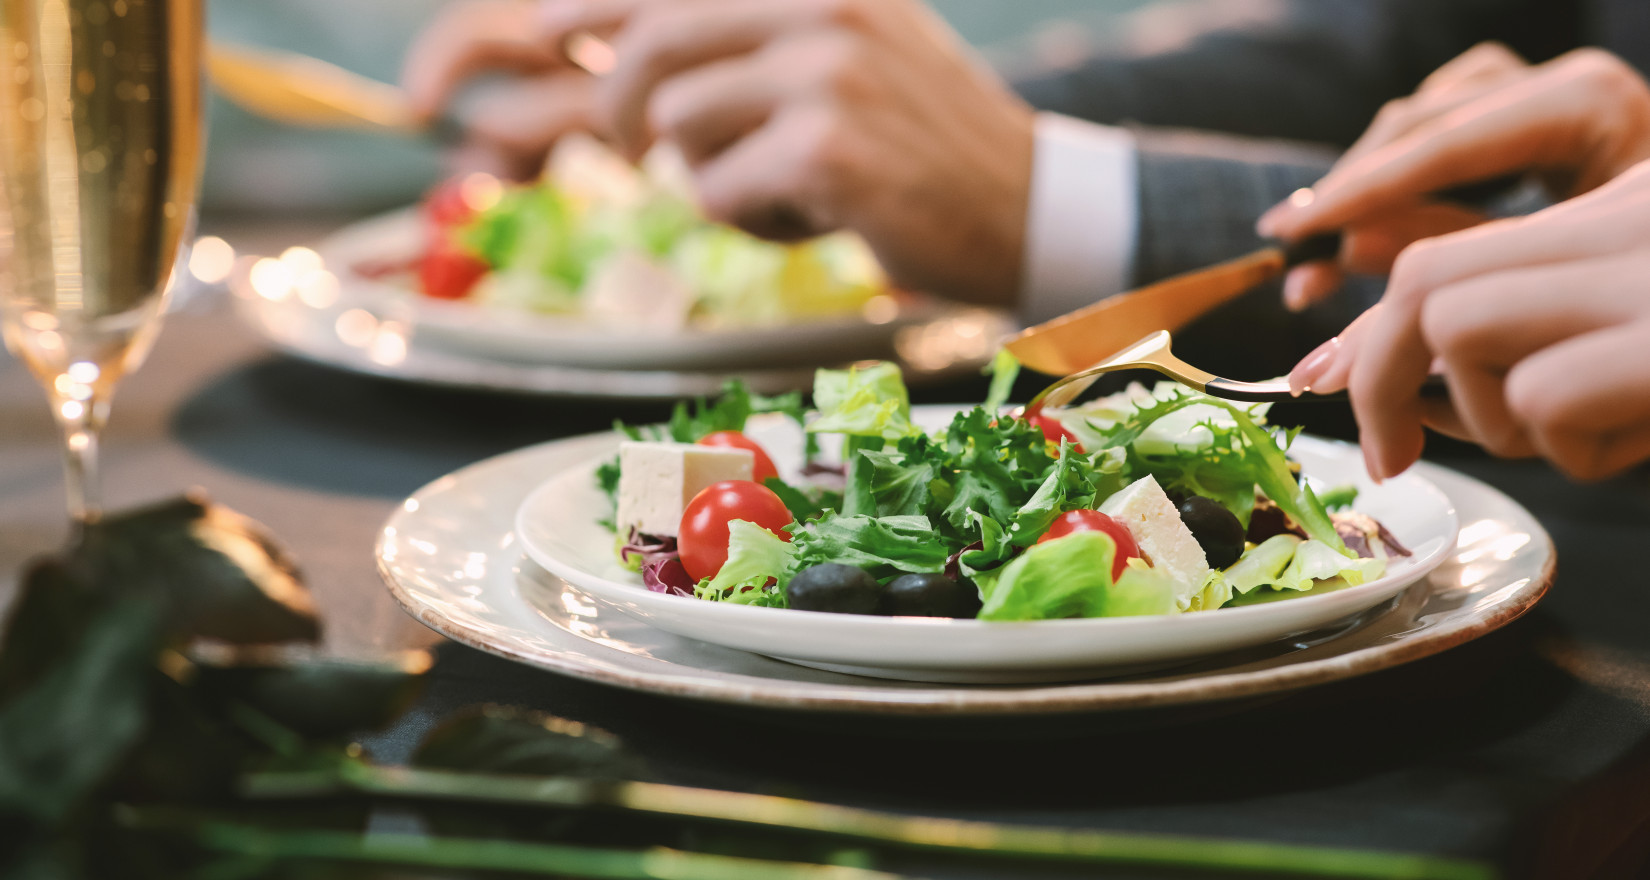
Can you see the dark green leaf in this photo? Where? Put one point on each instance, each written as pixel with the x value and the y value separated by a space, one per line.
pixel 221 575
pixel 63 735
pixel 497 739
pixel 885 547
pixel 1003 370
pixel 310 694
pixel 801 506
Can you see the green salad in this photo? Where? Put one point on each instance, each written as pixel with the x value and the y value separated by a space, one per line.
pixel 599 239
pixel 1150 501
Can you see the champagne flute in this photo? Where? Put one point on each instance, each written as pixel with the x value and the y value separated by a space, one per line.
pixel 100 103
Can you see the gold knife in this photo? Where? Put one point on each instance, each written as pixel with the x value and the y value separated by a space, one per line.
pixel 1090 335
pixel 308 92
pixel 300 90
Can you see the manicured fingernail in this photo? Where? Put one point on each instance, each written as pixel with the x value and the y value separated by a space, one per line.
pixel 1272 223
pixel 1313 366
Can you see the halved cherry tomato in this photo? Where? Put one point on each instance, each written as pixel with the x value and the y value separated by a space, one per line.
pixel 761 469
pixel 1053 430
pixel 703 538
pixel 1094 521
pixel 448 272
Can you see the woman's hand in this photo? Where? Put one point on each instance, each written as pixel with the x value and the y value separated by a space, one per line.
pixel 511 126
pixel 1539 324
pixel 1576 121
pixel 807 116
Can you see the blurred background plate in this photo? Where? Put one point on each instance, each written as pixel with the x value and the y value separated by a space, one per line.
pixel 384 338
pixel 505 334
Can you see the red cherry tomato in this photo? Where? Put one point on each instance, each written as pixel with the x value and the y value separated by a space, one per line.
pixel 1094 521
pixel 1053 430
pixel 761 469
pixel 703 539
pixel 446 206
pixel 448 272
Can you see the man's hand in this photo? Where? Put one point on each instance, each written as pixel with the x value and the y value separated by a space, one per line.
pixel 808 116
pixel 1576 121
pixel 1540 325
pixel 510 128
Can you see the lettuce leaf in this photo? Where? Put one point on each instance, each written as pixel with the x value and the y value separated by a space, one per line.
pixel 868 401
pixel 1316 561
pixel 1261 566
pixel 1071 577
pixel 884 546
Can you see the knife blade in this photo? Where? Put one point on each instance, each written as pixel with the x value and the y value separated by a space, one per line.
pixel 1081 339
pixel 305 91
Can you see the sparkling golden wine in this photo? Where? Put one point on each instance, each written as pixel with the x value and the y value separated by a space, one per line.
pixel 101 152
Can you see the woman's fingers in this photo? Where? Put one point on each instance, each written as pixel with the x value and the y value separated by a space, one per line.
pixel 1309 284
pixel 1549 120
pixel 465 38
pixel 1497 319
pixel 1372 245
pixel 1478 72
pixel 1488 61
pixel 1586 400
pixel 1325 369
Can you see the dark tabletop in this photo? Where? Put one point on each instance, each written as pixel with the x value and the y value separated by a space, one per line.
pixel 1530 747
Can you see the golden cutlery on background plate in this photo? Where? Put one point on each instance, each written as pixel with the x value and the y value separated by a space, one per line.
pixel 311 93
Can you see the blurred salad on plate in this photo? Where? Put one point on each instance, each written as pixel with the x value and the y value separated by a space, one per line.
pixel 600 240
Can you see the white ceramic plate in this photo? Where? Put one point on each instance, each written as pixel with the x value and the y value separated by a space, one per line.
pixel 451 557
pixel 558 528
pixel 522 337
pixel 385 341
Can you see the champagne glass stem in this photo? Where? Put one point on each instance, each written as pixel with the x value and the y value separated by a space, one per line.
pixel 82 430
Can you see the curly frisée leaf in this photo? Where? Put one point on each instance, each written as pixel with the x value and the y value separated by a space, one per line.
pixel 755 555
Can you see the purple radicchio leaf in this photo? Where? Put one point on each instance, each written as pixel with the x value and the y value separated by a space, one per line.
pixel 1361 532
pixel 647 547
pixel 666 575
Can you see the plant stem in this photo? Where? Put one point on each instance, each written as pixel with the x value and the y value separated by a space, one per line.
pixel 463 853
pixel 949 835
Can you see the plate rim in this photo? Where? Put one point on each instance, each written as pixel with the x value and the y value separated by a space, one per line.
pixel 974 700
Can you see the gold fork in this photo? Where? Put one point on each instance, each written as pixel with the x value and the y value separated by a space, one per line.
pixel 1153 353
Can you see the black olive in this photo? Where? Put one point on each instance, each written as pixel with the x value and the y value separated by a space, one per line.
pixel 832 586
pixel 930 595
pixel 1216 529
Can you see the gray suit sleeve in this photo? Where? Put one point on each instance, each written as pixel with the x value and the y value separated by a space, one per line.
pixel 1313 70
pixel 1199 197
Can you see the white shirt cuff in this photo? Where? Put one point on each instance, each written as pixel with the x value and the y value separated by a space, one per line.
pixel 1082 216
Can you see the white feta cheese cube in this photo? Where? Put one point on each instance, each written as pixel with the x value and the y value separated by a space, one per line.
pixel 1165 542
pixel 657 480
